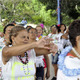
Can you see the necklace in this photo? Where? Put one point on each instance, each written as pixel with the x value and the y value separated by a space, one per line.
pixel 77 54
pixel 26 73
pixel 26 60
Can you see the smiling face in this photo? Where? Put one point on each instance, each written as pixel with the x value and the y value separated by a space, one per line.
pixel 62 28
pixel 21 38
pixel 54 30
pixel 39 31
pixel 32 34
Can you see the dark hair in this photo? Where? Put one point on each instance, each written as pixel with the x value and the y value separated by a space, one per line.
pixel 52 26
pixel 4 30
pixel 60 27
pixel 74 31
pixel 64 26
pixel 30 29
pixel 14 32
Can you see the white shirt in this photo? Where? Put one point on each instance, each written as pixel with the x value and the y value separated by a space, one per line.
pixel 57 40
pixel 70 63
pixel 14 69
pixel 39 59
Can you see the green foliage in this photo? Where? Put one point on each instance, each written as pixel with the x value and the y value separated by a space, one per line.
pixel 39 11
pixel 1 28
pixel 67 6
pixel 66 19
pixel 41 15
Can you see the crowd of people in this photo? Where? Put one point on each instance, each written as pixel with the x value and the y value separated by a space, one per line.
pixel 24 52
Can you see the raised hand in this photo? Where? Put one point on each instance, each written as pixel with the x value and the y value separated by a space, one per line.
pixel 53 48
pixel 44 43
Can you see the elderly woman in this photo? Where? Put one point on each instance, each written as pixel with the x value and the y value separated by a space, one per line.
pixel 18 58
pixel 69 59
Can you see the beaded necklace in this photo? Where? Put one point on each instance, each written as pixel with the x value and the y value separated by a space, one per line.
pixel 25 62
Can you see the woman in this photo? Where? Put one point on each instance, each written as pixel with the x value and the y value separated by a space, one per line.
pixel 5 40
pixel 18 58
pixel 55 36
pixel 42 62
pixel 69 59
pixel 32 38
pixel 6 32
pixel 62 28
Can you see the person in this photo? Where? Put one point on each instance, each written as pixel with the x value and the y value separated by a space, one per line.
pixel 65 39
pixel 24 21
pixel 61 28
pixel 18 57
pixel 28 27
pixel 55 36
pixel 4 41
pixel 6 32
pixel 69 59
pixel 32 38
pixel 42 62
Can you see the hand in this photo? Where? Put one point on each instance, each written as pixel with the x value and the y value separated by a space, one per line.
pixel 44 43
pixel 65 36
pixel 53 48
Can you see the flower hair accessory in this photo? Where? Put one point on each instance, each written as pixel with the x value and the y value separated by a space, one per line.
pixel 42 25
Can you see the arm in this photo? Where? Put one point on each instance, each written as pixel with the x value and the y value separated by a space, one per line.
pixel 41 51
pixel 20 49
pixel 53 48
pixel 17 50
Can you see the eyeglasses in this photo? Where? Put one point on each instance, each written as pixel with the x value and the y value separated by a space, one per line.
pixel 33 32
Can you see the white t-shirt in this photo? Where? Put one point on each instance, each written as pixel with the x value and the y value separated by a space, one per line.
pixel 14 69
pixel 57 40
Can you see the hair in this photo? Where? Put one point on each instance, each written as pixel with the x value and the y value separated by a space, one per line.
pixel 31 28
pixel 74 31
pixel 28 27
pixel 52 26
pixel 60 27
pixel 14 32
pixel 39 26
pixel 4 30
pixel 64 26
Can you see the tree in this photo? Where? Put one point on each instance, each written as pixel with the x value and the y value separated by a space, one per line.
pixel 67 6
